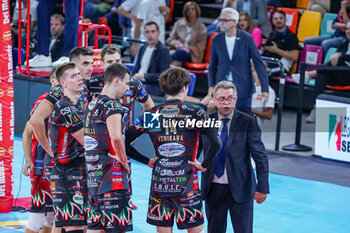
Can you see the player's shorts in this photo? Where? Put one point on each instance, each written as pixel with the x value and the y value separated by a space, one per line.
pixel 110 212
pixel 188 212
pixel 41 200
pixel 69 193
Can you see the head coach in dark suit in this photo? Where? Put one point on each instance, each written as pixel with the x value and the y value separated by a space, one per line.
pixel 230 55
pixel 229 184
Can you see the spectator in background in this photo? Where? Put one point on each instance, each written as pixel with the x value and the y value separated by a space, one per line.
pixel 257 10
pixel 117 22
pixel 103 6
pixel 328 41
pixel 152 10
pixel 156 11
pixel 281 3
pixel 188 38
pixel 91 34
pixel 282 44
pixel 322 6
pixel 247 24
pixel 330 77
pixel 45 7
pixel 130 9
pixel 152 60
pixel 261 107
pixel 33 20
pixel 230 56
pixel 57 36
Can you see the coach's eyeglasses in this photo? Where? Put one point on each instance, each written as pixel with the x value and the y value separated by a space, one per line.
pixel 221 20
pixel 222 100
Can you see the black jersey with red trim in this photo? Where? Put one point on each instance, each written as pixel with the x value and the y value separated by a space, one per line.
pixel 105 174
pixel 94 86
pixel 65 119
pixel 37 152
pixel 56 93
pixel 175 142
pixel 137 92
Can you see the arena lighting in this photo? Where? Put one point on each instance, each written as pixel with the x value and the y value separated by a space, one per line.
pixel 7 122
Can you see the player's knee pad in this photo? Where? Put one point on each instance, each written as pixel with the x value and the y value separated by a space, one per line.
pixel 35 221
pixel 50 216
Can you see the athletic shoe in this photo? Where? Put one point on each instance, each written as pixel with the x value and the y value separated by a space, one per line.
pixel 296 78
pixel 40 61
pixel 312 116
pixel 60 61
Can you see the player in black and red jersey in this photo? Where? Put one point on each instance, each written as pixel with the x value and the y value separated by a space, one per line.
pixel 82 57
pixel 107 166
pixel 175 128
pixel 68 176
pixel 41 211
pixel 111 54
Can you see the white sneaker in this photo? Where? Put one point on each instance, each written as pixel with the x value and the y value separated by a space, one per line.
pixel 40 61
pixel 312 116
pixel 296 78
pixel 60 61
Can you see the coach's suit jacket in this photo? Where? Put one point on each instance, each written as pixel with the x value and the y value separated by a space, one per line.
pixel 244 139
pixel 244 50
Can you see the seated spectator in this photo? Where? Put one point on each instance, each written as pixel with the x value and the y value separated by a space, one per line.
pixel 188 38
pixel 262 108
pixel 332 77
pixel 152 60
pixel 57 36
pixel 257 10
pixel 338 37
pixel 90 11
pixel 322 6
pixel 282 44
pixel 91 34
pixel 247 24
pixel 33 19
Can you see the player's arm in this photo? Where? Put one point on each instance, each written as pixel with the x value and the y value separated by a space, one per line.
pixel 267 113
pixel 79 136
pixel 114 127
pixel 37 121
pixel 213 148
pixel 27 146
pixel 148 104
pixel 130 136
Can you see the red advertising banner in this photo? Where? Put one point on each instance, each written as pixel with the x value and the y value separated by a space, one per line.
pixel 7 108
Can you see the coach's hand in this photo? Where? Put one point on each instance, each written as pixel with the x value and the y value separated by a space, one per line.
pixel 260 197
pixel 197 164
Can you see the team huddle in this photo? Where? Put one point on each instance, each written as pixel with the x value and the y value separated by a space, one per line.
pixel 82 144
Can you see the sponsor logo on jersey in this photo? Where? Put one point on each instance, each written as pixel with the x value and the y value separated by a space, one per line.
pixel 171 149
pixel 78 198
pixel 90 143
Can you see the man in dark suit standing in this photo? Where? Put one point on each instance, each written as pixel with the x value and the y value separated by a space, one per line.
pixel 230 55
pixel 229 184
pixel 152 60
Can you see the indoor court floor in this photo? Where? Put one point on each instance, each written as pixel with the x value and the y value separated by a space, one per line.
pixel 294 205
